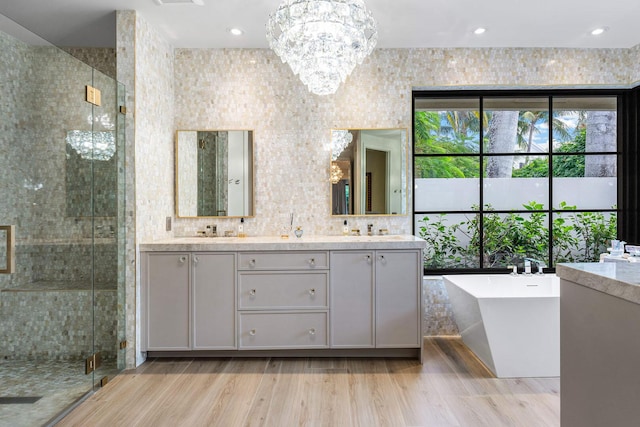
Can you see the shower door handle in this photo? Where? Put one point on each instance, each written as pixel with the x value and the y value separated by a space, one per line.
pixel 10 249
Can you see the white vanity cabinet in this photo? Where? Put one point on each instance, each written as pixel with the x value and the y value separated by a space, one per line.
pixel 283 300
pixel 165 295
pixel 352 299
pixel 257 296
pixel 188 301
pixel 375 299
pixel 398 293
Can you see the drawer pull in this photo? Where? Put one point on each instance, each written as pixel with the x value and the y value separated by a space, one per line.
pixel 252 292
pixel 312 292
pixel 252 332
pixel 312 262
pixel 182 259
pixel 312 331
pixel 252 263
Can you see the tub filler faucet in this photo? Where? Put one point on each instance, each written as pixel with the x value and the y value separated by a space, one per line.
pixel 540 265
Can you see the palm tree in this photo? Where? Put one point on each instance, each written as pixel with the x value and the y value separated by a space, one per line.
pixel 528 127
pixel 601 136
pixel 502 134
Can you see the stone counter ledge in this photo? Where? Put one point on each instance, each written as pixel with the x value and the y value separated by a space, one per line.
pixel 620 280
pixel 275 243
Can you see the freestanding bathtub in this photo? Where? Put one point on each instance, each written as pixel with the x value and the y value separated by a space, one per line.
pixel 512 323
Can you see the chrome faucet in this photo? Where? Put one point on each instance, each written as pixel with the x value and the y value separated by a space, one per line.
pixel 540 265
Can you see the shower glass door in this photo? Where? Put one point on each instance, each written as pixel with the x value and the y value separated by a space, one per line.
pixel 61 311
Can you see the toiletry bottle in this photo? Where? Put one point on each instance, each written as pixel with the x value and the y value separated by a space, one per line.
pixel 345 229
pixel 241 228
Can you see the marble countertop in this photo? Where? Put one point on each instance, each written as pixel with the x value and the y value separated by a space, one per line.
pixel 621 280
pixel 274 243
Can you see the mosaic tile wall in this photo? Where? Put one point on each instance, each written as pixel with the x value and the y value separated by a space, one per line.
pixel 437 318
pixel 634 65
pixel 60 327
pixel 102 59
pixel 154 131
pixel 125 51
pixel 145 67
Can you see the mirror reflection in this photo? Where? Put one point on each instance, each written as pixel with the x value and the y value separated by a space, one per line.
pixel 368 171
pixel 214 173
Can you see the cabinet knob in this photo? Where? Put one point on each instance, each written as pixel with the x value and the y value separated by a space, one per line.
pixel 312 292
pixel 368 259
pixel 312 331
pixel 382 259
pixel 252 263
pixel 252 332
pixel 195 259
pixel 252 292
pixel 312 262
pixel 182 259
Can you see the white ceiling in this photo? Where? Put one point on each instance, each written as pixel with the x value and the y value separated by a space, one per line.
pixel 401 23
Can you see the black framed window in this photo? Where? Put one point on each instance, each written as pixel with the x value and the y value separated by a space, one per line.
pixel 500 176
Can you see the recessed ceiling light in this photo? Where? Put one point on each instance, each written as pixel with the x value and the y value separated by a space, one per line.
pixel 598 31
pixel 161 2
pixel 236 31
pixel 479 30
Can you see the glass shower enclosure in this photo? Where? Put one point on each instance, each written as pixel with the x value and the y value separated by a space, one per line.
pixel 62 233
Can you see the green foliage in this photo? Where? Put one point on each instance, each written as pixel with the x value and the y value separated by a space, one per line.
pixel 459 137
pixel 571 166
pixel 442 243
pixel 432 138
pixel 593 230
pixel 509 238
pixel 447 167
pixel 536 168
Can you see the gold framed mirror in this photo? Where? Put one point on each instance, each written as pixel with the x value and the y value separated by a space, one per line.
pixel 214 173
pixel 368 172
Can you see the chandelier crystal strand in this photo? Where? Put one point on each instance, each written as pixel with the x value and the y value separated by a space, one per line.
pixel 322 40
pixel 340 139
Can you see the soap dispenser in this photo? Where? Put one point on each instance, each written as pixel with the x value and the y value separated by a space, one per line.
pixel 241 232
pixel 345 229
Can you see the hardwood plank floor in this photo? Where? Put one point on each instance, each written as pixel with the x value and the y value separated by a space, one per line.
pixel 452 388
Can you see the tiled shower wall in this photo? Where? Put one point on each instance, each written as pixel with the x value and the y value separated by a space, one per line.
pixel 45 308
pixel 252 89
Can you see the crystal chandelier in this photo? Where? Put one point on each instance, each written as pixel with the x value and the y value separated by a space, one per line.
pixel 92 145
pixel 322 40
pixel 340 139
pixel 336 173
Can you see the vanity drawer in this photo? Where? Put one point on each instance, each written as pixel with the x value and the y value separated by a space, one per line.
pixel 283 330
pixel 283 260
pixel 261 290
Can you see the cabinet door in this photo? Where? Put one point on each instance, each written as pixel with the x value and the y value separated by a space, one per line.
pixel 214 316
pixel 167 301
pixel 352 300
pixel 398 286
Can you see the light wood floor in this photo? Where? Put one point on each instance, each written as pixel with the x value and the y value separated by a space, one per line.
pixel 451 388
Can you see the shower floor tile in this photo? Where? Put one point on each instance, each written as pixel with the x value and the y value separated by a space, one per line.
pixel 51 386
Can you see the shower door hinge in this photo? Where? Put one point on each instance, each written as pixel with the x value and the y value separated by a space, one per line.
pixel 92 363
pixel 123 109
pixel 94 96
pixel 123 344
